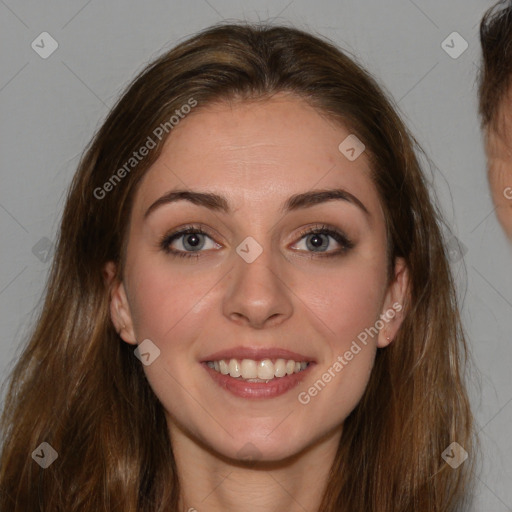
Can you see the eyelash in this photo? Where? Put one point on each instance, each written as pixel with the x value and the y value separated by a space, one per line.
pixel 341 238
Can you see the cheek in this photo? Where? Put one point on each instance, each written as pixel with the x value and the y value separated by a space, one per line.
pixel 166 301
pixel 345 308
pixel 169 308
pixel 344 302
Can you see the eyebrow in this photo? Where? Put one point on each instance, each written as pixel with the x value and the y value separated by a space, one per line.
pixel 220 203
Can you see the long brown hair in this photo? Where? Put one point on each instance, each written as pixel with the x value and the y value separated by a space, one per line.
pixel 78 386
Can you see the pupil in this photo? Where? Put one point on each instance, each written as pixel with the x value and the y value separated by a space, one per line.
pixel 193 240
pixel 317 242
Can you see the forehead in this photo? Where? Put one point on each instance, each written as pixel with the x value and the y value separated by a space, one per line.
pixel 260 150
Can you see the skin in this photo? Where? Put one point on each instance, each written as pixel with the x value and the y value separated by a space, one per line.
pixel 498 146
pixel 256 154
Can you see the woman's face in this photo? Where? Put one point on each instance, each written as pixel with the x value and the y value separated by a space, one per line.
pixel 281 275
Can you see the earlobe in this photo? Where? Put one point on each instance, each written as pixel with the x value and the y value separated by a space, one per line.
pixel 394 304
pixel 119 308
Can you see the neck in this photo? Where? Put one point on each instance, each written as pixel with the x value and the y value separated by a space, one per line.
pixel 210 482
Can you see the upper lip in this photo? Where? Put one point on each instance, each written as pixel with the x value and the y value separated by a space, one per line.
pixel 257 353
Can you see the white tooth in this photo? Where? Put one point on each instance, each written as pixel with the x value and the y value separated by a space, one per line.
pixel 280 368
pixel 210 364
pixel 249 370
pixel 290 367
pixel 234 368
pixel 265 369
pixel 297 367
pixel 303 365
pixel 216 365
pixel 223 366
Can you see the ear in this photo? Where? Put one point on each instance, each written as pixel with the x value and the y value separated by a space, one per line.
pixel 393 308
pixel 119 308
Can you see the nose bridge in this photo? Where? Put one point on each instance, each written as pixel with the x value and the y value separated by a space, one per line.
pixel 257 291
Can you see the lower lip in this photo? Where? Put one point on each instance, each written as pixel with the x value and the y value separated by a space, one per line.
pixel 276 387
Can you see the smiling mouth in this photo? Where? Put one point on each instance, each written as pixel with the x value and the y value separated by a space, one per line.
pixel 251 370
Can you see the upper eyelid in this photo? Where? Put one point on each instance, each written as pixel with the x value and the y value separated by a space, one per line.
pixel 184 230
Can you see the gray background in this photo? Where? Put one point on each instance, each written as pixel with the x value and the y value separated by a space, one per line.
pixel 51 107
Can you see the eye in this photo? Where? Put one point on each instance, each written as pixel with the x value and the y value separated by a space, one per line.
pixel 190 241
pixel 319 240
pixel 187 242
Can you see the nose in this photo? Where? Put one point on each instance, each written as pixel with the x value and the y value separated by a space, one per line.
pixel 257 294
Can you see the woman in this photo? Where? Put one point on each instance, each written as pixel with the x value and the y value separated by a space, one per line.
pixel 250 306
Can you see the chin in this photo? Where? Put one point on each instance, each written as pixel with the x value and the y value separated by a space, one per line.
pixel 254 443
